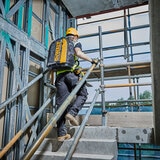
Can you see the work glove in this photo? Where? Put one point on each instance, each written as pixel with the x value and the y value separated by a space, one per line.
pixel 78 71
pixel 95 61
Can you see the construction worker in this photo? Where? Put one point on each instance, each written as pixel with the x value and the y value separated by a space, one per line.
pixel 66 80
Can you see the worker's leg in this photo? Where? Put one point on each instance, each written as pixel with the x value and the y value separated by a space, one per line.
pixel 72 81
pixel 79 102
pixel 61 95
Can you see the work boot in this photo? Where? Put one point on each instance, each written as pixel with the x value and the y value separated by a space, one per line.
pixel 72 119
pixel 63 138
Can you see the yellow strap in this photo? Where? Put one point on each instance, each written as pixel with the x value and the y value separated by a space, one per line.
pixel 57 51
pixel 64 50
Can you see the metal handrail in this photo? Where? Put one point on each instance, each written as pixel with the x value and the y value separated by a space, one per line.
pixel 46 130
pixel 3 104
pixel 25 127
pixel 81 128
pixel 126 85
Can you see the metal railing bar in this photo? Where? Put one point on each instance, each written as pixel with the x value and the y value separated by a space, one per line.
pixel 126 85
pixel 3 104
pixel 132 64
pixel 114 101
pixel 24 128
pixel 119 77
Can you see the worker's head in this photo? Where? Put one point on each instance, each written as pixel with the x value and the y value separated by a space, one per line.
pixel 72 32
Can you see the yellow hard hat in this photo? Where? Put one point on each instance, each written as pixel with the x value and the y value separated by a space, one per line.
pixel 72 31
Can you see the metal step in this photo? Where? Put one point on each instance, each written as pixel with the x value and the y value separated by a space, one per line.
pixel 90 146
pixel 95 143
pixel 98 132
pixel 47 155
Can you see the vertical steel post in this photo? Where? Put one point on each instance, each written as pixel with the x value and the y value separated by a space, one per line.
pixel 154 7
pixel 130 37
pixel 102 78
pixel 126 51
pixel 2 63
pixel 7 6
pixel 135 153
pixel 20 18
pixel 29 18
pixel 61 31
pixel 130 81
pixel 46 24
pixel 138 97
pixel 56 25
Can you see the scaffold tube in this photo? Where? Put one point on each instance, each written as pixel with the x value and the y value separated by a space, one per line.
pixel 126 85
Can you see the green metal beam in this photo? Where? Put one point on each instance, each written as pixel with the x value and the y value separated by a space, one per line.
pixel 20 17
pixel 7 6
pixel 15 8
pixel 29 22
pixel 46 24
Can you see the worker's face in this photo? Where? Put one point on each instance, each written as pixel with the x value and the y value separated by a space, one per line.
pixel 75 38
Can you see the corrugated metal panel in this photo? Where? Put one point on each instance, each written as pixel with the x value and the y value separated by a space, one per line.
pixel 82 8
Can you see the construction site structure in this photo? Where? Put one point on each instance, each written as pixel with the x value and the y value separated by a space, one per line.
pixel 128 51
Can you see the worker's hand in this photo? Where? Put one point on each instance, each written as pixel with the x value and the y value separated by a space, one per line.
pixel 78 71
pixel 95 61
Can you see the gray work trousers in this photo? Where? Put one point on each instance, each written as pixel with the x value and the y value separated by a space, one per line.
pixel 65 83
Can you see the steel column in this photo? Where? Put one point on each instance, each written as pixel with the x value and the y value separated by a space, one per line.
pixel 154 7
pixel 102 77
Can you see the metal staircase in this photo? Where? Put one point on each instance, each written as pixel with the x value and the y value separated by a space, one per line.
pixel 95 143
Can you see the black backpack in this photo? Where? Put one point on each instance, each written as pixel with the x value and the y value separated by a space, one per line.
pixel 61 54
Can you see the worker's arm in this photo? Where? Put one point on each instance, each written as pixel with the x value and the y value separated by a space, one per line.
pixel 82 55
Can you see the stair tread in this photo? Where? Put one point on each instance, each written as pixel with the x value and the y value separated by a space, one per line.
pixel 95 140
pixel 82 155
pixel 84 139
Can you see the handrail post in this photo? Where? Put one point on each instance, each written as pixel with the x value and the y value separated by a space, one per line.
pixel 102 78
